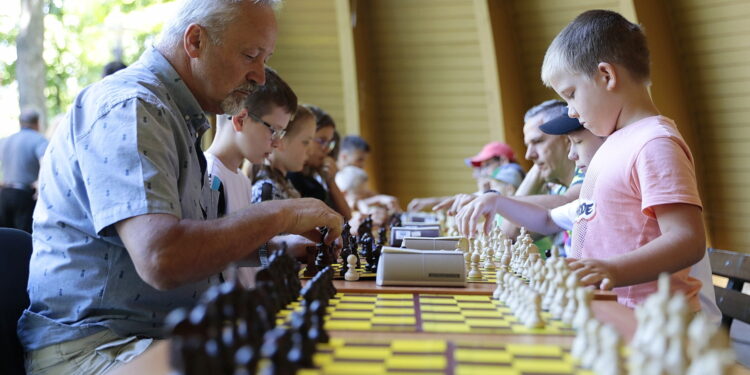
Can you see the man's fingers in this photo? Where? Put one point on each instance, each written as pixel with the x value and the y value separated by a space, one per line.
pixel 443 205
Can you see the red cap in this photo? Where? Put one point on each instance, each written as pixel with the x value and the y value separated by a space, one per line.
pixel 492 150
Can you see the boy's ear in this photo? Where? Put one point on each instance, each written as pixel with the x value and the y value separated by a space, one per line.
pixel 608 74
pixel 238 120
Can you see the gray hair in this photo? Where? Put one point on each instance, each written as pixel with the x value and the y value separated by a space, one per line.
pixel 550 109
pixel 213 15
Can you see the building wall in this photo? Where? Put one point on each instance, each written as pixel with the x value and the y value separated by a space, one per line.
pixel 714 47
pixel 307 54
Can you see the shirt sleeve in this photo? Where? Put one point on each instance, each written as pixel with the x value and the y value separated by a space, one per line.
pixel 564 216
pixel 663 173
pixel 129 164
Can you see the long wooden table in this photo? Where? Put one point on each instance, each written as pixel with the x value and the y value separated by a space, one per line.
pixel 605 308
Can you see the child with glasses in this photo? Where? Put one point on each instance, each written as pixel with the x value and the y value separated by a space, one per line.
pixel 270 181
pixel 317 179
pixel 251 134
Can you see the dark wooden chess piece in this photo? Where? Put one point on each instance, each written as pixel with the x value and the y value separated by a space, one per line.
pixel 310 268
pixel 367 245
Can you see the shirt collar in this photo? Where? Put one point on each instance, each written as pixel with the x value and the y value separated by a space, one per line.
pixel 183 97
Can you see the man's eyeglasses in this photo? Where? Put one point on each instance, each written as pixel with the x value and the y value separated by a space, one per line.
pixel 276 134
pixel 327 144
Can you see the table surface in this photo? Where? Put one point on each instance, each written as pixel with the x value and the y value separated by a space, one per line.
pixel 155 360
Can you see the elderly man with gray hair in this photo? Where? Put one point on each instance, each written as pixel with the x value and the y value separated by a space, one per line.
pixel 126 227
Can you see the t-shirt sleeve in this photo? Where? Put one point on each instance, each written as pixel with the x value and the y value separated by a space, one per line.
pixel 663 173
pixel 129 164
pixel 564 216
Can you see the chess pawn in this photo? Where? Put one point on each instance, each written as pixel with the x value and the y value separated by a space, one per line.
pixel 591 351
pixel 499 283
pixel 475 273
pixel 533 314
pixel 467 261
pixel 569 312
pixel 489 263
pixel 351 273
pixel 608 361
pixel 675 360
pixel 583 312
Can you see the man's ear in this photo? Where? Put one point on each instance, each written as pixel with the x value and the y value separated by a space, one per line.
pixel 194 40
pixel 607 73
pixel 238 120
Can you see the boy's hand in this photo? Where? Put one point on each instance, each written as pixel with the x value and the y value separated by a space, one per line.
pixel 469 216
pixel 595 272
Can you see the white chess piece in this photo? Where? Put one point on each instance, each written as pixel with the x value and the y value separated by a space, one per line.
pixel 475 272
pixel 351 272
pixel 533 314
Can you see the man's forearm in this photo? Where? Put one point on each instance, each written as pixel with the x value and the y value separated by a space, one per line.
pixel 169 252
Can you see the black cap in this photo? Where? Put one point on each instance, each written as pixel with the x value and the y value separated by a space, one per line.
pixel 561 125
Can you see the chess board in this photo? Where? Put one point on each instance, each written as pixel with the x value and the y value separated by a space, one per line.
pixel 440 357
pixel 438 313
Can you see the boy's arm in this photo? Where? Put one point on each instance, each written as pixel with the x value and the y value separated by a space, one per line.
pixel 682 243
pixel 548 201
pixel 532 216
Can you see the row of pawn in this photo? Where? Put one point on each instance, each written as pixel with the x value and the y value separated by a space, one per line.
pixel 666 342
pixel 523 301
pixel 597 347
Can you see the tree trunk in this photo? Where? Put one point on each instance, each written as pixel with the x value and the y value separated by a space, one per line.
pixel 30 67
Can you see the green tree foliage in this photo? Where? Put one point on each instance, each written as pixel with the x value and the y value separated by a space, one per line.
pixel 80 37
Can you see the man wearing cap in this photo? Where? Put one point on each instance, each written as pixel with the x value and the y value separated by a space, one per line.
pixel 495 168
pixel 19 156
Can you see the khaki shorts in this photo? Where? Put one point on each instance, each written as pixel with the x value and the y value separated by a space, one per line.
pixel 95 354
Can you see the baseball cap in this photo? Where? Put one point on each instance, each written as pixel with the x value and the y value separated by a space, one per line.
pixel 561 125
pixel 492 150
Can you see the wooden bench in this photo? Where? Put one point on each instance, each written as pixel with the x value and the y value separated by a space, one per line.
pixel 735 267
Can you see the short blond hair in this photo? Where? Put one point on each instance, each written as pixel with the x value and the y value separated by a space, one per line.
pixel 593 37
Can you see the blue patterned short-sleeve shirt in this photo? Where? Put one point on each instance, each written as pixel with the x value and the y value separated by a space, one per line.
pixel 125 148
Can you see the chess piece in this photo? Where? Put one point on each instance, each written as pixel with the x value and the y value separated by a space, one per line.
pixel 351 274
pixel 583 311
pixel 489 263
pixel 533 314
pixel 608 361
pixel 475 272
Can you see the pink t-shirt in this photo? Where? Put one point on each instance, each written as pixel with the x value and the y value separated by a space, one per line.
pixel 640 166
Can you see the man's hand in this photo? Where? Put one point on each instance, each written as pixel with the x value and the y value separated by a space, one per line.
pixel 419 204
pixel 308 215
pixel 595 272
pixel 484 206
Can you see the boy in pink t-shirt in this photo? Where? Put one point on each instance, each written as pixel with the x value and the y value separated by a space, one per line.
pixel 643 213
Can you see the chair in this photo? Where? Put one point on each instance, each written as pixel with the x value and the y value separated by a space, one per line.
pixel 15 253
pixel 731 301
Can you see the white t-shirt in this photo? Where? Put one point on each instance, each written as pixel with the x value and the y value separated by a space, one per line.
pixel 564 216
pixel 238 191
pixel 237 187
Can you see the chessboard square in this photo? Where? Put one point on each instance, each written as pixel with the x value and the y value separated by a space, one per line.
pixel 499 323
pixel 362 352
pixel 396 311
pixel 394 320
pixel 427 346
pixel 416 362
pixel 471 298
pixel 522 329
pixel 352 314
pixel 439 308
pixel 445 327
pixel 481 314
pixel 415 372
pixel 395 303
pixel 483 355
pixel 437 301
pixel 308 371
pixel 442 317
pixel 482 369
pixel 477 305
pixel 360 298
pixel 352 306
pixel 322 359
pixel 541 366
pixel 348 368
pixel 395 296
pixel 348 325
pixel 534 350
